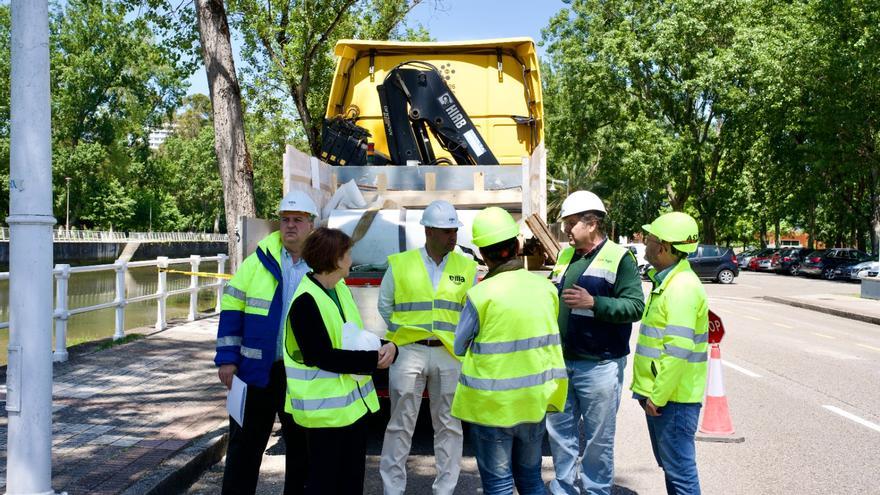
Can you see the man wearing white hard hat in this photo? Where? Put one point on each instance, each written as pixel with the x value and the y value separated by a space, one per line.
pixel 420 299
pixel 601 296
pixel 249 346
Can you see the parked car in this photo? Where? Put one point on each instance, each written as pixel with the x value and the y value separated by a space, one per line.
pixel 744 257
pixel 638 250
pixel 788 261
pixel 823 263
pixel 714 263
pixel 857 271
pixel 761 261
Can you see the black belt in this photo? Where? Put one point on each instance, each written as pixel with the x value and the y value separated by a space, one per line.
pixel 429 343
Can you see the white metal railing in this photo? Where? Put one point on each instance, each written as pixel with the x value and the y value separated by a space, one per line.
pixel 63 312
pixel 74 235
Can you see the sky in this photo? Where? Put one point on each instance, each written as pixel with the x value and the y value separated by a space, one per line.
pixel 457 20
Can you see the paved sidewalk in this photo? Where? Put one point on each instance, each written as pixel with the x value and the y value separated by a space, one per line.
pixel 844 305
pixel 133 418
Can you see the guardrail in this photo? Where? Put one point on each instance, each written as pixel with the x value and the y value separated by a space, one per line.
pixel 62 235
pixel 62 313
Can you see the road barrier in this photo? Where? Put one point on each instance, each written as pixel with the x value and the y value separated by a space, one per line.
pixel 63 272
pixel 716 414
pixel 75 235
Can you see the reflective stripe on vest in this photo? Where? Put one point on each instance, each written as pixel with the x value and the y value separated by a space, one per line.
pixel 333 402
pixel 514 345
pixel 665 343
pixel 604 264
pixel 513 371
pixel 236 293
pixel 499 384
pixel 318 398
pixel 419 312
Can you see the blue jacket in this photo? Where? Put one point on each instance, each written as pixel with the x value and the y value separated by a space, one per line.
pixel 251 312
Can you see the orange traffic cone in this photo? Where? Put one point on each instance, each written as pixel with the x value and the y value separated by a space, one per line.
pixel 716 415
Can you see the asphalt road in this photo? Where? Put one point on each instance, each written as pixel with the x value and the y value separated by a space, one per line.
pixel 801 387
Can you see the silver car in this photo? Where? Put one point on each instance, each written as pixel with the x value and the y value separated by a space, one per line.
pixel 860 271
pixel 744 257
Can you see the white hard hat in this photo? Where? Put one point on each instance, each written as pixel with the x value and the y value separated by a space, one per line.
pixel 298 201
pixel 579 202
pixel 441 215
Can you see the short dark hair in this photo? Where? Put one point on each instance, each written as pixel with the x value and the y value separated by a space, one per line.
pixel 591 216
pixel 324 248
pixel 501 252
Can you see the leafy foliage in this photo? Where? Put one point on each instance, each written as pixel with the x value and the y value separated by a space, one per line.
pixel 288 47
pixel 750 114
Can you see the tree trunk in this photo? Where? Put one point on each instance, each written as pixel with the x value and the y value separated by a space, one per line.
pixel 777 231
pixel 811 234
pixel 236 169
pixel 708 234
pixel 763 233
pixel 875 225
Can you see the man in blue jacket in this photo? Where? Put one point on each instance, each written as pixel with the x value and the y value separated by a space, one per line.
pixel 249 346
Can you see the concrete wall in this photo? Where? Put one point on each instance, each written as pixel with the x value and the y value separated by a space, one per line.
pixel 93 253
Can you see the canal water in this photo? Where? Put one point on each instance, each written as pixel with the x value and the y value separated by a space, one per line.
pixel 89 289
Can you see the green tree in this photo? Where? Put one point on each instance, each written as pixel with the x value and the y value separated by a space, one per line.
pixel 118 70
pixel 190 193
pixel 659 72
pixel 288 47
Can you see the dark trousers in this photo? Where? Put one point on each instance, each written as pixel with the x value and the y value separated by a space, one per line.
pixel 247 443
pixel 337 457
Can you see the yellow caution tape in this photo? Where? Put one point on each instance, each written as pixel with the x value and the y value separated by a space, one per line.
pixel 226 276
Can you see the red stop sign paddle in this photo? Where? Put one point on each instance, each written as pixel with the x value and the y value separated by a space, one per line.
pixel 716 328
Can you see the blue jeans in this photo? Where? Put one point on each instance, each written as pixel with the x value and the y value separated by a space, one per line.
pixel 593 396
pixel 508 456
pixel 672 438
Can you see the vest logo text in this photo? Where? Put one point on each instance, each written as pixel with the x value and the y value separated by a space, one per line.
pixel 457 279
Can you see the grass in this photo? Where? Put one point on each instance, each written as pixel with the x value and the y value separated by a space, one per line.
pixel 124 340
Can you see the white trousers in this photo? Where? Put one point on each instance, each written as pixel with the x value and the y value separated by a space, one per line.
pixel 418 366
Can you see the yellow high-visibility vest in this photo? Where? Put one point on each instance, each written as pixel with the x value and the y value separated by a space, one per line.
pixel 670 358
pixel 322 399
pixel 419 311
pixel 513 372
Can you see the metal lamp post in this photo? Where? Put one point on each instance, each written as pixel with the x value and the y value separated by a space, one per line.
pixel 67 220
pixel 29 372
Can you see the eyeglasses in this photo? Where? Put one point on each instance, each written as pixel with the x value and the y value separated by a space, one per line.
pixel 652 238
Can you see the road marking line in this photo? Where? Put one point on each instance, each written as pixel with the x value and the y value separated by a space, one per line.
pixel 752 317
pixel 866 346
pixel 823 335
pixel 783 325
pixel 853 417
pixel 740 369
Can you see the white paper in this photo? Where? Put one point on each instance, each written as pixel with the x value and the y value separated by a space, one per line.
pixel 355 338
pixel 235 400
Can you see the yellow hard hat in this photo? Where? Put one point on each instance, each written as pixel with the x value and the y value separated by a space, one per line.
pixel 676 228
pixel 493 225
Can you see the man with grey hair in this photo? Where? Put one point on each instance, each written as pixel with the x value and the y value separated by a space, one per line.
pixel 249 340
pixel 601 295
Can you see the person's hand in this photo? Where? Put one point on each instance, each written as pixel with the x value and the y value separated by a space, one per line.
pixel 651 409
pixel 578 298
pixel 226 372
pixel 386 355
